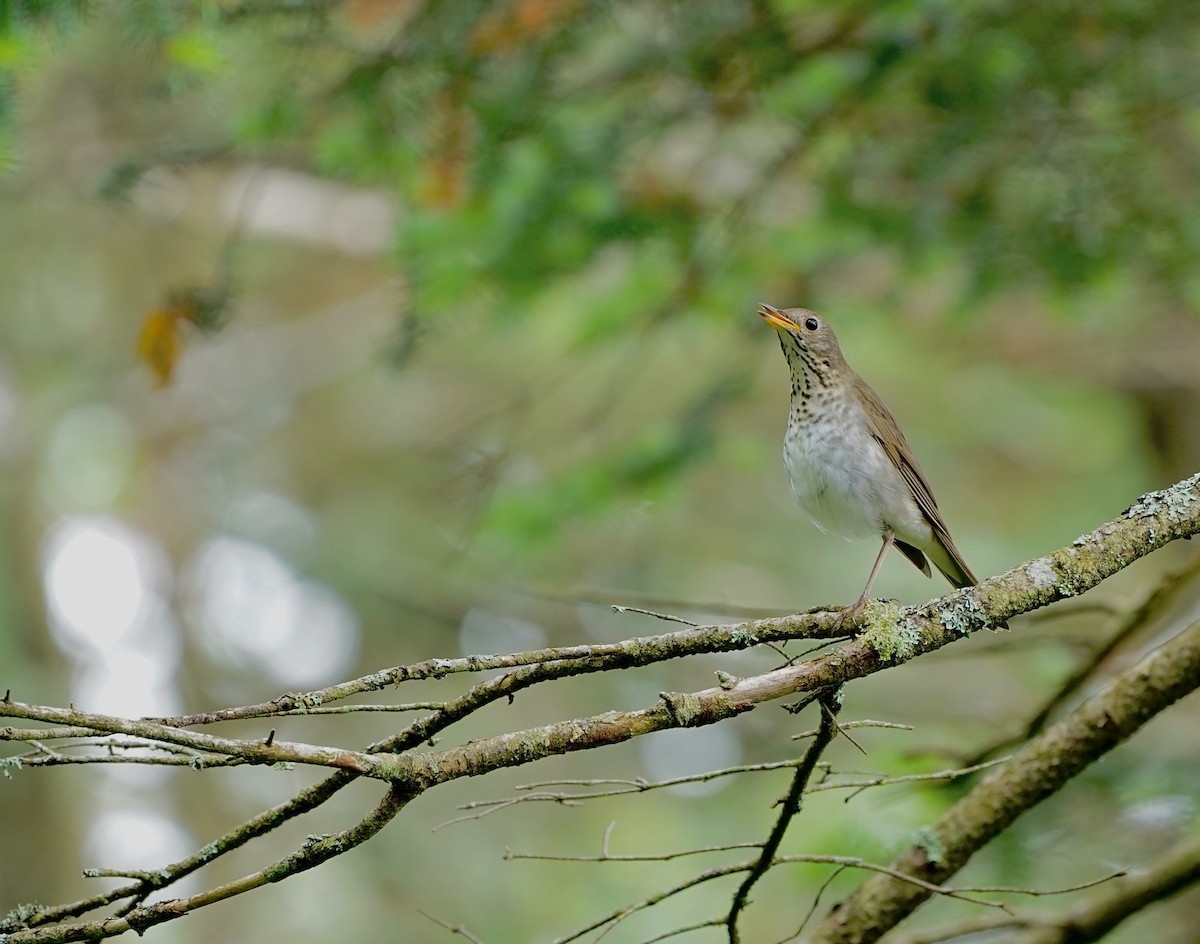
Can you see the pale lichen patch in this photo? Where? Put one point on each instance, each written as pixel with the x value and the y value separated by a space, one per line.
pixel 931 842
pixel 890 632
pixel 1172 502
pixel 1041 573
pixel 684 707
pixel 964 616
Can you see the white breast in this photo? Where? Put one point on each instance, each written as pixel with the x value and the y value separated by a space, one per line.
pixel 843 479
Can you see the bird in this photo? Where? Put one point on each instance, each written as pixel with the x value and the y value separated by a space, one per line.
pixel 847 461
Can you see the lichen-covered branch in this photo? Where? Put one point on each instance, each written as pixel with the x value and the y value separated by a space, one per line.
pixel 1123 897
pixel 1038 770
pixel 259 751
pixel 1130 625
pixel 641 650
pixel 889 635
pixel 893 635
pixel 317 850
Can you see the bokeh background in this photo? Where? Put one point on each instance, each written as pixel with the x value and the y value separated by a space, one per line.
pixel 336 336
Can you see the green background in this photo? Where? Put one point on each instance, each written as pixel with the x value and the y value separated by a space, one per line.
pixel 481 357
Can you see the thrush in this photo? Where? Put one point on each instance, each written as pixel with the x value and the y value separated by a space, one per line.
pixel 847 461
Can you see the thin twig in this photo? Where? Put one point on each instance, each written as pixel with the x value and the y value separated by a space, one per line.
pixel 1039 892
pixel 452 928
pixel 971 927
pixel 851 725
pixel 831 703
pixel 624 788
pixel 812 910
pixel 641 650
pixel 687 929
pixel 577 595
pixel 617 608
pixel 604 855
pixel 860 785
pixel 612 919
pixel 315 851
pixel 495 806
pixel 252 751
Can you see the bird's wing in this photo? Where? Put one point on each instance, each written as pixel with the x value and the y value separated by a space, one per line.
pixel 888 434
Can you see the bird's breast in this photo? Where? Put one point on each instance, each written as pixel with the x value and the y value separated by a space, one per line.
pixel 840 474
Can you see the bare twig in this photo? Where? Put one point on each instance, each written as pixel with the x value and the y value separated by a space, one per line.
pixel 577 595
pixel 1040 892
pixel 860 785
pixel 620 788
pixel 616 917
pixel 686 929
pixel 970 927
pixel 605 856
pixel 812 909
pixel 890 635
pixel 598 657
pixel 851 725
pixel 1176 870
pixel 621 914
pixel 452 928
pixel 667 617
pixel 830 704
pixel 250 751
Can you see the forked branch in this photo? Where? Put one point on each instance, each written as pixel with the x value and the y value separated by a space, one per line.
pixel 888 635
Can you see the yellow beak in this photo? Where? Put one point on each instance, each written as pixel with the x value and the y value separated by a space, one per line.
pixel 776 318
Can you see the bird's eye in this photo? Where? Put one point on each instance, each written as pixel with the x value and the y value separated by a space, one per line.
pixel 811 324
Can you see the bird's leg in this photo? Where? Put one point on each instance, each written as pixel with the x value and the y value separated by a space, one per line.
pixel 849 611
pixel 888 537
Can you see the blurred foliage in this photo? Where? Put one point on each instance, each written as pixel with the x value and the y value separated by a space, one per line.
pixel 547 376
pixel 617 165
pixel 1053 144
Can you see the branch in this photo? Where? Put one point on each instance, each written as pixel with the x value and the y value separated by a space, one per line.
pixel 1155 520
pixel 316 850
pixel 1039 769
pixel 641 650
pixel 1143 615
pixel 303 802
pixel 1168 875
pixel 1175 871
pixel 830 704
pixel 893 635
pixel 843 862
pixel 890 636
pixel 261 751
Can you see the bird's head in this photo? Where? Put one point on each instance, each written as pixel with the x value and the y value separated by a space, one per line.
pixel 807 340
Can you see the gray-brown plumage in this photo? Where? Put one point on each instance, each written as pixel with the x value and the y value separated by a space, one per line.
pixel 847 460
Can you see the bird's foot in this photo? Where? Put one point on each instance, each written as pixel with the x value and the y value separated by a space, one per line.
pixel 849 613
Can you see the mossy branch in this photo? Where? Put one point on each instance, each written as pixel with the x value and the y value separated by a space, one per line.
pixel 1038 770
pixel 888 635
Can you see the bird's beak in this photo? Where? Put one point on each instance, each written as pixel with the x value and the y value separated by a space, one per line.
pixel 776 318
